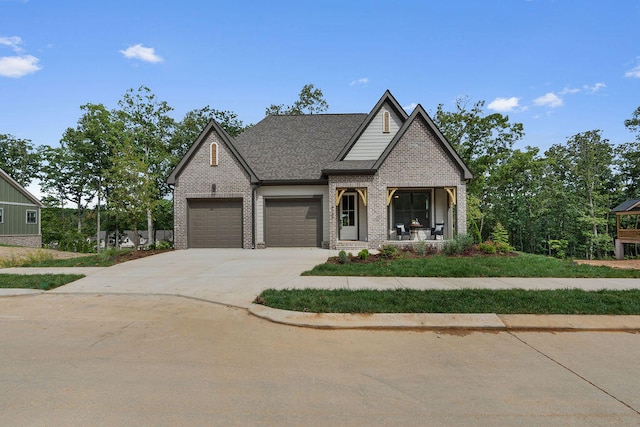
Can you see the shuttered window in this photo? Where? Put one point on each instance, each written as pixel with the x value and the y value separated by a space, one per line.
pixel 214 154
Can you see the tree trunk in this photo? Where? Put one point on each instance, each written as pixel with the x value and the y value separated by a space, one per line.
pixel 136 238
pixel 150 234
pixel 79 203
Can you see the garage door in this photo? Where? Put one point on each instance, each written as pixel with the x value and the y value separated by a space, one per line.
pixel 293 222
pixel 215 223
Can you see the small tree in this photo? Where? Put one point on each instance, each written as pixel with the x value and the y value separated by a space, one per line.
pixel 310 101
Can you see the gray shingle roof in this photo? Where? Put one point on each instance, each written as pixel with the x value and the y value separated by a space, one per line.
pixel 629 205
pixel 282 148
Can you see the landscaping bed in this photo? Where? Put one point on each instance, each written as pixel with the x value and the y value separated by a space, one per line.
pixel 52 258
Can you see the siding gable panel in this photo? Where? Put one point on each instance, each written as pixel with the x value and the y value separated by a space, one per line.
pixel 374 140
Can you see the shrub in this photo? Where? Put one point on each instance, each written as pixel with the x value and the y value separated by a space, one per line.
pixel 503 247
pixel 420 247
pixel 363 254
pixel 163 244
pixel 501 238
pixel 488 247
pixel 558 248
pixel 73 241
pixel 343 258
pixel 388 251
pixel 458 245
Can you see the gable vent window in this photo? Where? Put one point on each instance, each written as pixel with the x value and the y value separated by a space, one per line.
pixel 214 154
pixel 385 122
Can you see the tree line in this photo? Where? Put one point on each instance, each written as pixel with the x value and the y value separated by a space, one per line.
pixel 557 202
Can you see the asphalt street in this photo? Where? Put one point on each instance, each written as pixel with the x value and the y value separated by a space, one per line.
pixel 116 360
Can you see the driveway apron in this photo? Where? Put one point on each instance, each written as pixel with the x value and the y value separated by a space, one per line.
pixel 227 276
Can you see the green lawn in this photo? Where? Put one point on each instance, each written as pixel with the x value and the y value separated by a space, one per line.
pixel 37 281
pixel 503 301
pixel 523 265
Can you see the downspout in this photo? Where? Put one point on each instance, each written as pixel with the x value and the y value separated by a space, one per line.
pixel 253 215
pixel 173 215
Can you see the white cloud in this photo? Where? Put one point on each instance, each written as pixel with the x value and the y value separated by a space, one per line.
pixel 18 66
pixel 634 72
pixel 13 42
pixel 410 107
pixel 504 105
pixel 549 100
pixel 566 90
pixel 360 82
pixel 596 87
pixel 147 54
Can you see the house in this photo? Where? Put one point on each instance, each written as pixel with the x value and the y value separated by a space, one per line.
pixel 19 214
pixel 339 181
pixel 126 238
pixel 628 225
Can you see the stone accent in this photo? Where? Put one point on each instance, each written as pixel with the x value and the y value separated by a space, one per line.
pixel 196 179
pixel 418 161
pixel 26 240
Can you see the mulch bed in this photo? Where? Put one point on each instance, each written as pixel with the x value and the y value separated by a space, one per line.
pixel 129 256
pixel 410 253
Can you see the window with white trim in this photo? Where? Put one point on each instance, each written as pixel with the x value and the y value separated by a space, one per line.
pixel 1 215
pixel 213 153
pixel 32 217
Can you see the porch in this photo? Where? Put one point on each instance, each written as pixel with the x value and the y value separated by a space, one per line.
pixel 397 215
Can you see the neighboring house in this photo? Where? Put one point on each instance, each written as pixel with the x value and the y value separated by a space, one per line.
pixel 19 214
pixel 126 238
pixel 342 181
pixel 628 225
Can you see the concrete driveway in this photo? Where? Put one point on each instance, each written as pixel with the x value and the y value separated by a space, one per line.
pixel 227 276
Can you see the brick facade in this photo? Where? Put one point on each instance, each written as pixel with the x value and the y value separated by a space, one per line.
pixel 417 161
pixel 195 180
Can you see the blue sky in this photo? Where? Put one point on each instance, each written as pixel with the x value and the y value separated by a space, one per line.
pixel 559 67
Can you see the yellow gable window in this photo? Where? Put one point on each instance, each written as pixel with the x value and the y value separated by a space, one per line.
pixel 385 122
pixel 214 154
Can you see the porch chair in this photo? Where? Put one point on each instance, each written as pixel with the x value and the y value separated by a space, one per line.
pixel 438 231
pixel 401 232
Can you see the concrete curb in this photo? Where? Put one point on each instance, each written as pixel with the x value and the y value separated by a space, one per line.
pixel 12 292
pixel 444 321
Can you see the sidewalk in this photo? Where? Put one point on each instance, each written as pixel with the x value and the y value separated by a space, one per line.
pixel 241 291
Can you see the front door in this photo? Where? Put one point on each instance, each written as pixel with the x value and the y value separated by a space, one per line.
pixel 349 217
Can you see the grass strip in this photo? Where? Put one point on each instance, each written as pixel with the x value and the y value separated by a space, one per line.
pixel 523 265
pixel 500 301
pixel 43 282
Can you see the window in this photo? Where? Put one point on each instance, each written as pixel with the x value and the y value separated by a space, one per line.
pixel 385 122
pixel 214 154
pixel 32 217
pixel 1 215
pixel 411 205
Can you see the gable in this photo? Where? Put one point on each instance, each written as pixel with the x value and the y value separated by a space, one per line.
pixel 205 153
pixel 377 135
pixel 423 146
pixel 12 192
